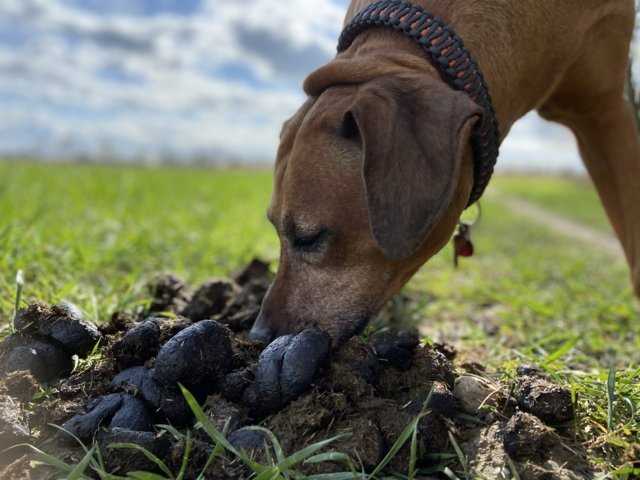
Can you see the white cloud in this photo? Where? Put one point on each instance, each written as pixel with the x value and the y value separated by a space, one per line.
pixel 216 82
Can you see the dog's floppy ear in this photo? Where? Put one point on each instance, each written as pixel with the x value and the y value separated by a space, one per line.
pixel 414 131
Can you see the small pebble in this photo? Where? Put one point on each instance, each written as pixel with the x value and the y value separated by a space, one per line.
pixel 474 392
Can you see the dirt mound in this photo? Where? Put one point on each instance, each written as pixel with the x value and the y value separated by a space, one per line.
pixel 297 387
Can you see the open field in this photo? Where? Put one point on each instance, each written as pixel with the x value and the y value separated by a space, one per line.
pixel 572 197
pixel 94 235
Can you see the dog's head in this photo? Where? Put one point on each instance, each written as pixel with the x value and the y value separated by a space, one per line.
pixel 370 181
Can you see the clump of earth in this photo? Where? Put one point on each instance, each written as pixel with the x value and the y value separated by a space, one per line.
pixel 119 382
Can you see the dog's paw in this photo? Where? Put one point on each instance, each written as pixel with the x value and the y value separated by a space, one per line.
pixel 286 368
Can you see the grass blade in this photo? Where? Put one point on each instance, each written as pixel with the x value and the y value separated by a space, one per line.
pixel 272 473
pixel 185 457
pixel 611 397
pixel 395 448
pixel 307 452
pixel 277 448
pixel 565 348
pixel 78 472
pixel 447 471
pixel 461 456
pixel 19 287
pixel 217 450
pixel 67 432
pixel 46 459
pixel 150 456
pixel 145 476
pixel 413 458
pixel 337 476
pixel 213 432
pixel 328 457
pixel 514 470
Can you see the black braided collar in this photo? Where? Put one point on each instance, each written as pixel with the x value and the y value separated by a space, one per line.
pixel 445 50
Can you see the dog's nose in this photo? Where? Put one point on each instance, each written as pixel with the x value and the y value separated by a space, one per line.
pixel 260 332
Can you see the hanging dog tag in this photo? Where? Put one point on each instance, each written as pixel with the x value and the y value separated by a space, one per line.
pixel 462 244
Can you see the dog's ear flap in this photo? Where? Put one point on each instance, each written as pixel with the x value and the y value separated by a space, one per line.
pixel 414 132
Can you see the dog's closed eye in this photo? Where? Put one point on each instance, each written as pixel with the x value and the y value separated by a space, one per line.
pixel 310 242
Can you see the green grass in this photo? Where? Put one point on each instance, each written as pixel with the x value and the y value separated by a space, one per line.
pixel 93 235
pixel 572 197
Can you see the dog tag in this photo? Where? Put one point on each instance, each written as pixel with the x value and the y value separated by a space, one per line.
pixel 462 244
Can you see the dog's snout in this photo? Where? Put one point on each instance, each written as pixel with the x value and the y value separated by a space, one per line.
pixel 261 332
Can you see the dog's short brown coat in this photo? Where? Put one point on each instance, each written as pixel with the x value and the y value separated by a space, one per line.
pixel 375 168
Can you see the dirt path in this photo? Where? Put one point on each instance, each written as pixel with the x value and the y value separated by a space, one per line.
pixel 562 225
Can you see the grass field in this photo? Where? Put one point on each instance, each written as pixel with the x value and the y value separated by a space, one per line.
pixel 94 235
pixel 572 197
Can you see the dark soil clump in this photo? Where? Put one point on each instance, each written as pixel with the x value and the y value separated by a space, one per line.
pixel 298 387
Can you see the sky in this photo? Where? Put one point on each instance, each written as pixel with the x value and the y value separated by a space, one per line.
pixel 185 80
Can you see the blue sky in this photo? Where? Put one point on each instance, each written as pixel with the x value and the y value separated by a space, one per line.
pixel 206 79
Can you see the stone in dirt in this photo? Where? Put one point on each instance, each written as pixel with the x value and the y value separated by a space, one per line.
pixel 474 393
pixel 210 299
pixel 197 357
pixel 547 401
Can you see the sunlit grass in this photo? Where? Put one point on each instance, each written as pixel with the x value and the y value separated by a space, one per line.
pixel 572 197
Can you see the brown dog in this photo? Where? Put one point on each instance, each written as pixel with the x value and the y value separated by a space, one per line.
pixel 375 169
